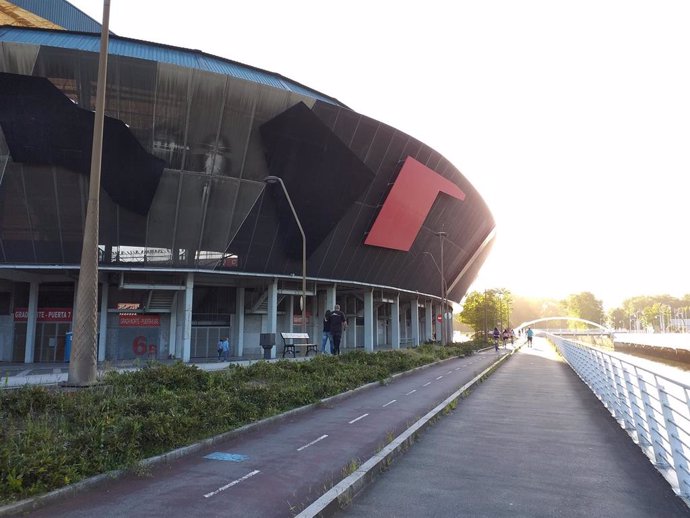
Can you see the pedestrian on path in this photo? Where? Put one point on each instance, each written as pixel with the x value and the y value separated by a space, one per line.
pixel 496 335
pixel 338 322
pixel 226 349
pixel 326 331
pixel 530 334
pixel 219 348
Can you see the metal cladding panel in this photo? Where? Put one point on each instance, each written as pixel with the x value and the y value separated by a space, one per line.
pixel 315 167
pixel 42 126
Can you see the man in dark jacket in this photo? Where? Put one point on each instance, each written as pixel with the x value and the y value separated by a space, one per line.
pixel 338 324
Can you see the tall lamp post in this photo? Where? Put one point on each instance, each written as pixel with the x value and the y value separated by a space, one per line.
pixel 444 323
pixel 444 319
pixel 275 179
pixel 83 369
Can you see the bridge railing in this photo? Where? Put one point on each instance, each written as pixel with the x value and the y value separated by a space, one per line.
pixel 653 409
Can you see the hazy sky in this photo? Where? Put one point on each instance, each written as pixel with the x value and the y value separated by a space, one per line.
pixel 572 118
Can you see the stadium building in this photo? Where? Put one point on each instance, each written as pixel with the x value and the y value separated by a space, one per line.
pixel 195 243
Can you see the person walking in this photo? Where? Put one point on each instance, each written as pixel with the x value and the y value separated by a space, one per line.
pixel 226 349
pixel 326 331
pixel 530 334
pixel 219 348
pixel 496 335
pixel 338 322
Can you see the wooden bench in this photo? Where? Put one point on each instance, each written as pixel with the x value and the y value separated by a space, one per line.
pixel 293 340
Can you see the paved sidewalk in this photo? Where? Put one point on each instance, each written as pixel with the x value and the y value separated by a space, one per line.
pixel 531 441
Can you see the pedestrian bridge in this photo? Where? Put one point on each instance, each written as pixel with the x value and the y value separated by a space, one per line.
pixel 594 329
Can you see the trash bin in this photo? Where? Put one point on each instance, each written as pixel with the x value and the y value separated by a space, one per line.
pixel 68 345
pixel 267 341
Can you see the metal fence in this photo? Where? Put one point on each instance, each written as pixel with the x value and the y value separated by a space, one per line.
pixel 653 409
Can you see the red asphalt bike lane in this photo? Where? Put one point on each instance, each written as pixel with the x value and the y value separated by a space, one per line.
pixel 277 469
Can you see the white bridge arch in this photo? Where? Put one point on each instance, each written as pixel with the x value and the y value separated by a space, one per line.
pixel 524 325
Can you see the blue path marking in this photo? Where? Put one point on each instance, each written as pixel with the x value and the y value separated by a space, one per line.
pixel 233 457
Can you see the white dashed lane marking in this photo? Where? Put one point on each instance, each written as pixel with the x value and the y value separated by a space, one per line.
pixel 389 403
pixel 426 384
pixel 233 483
pixel 357 418
pixel 312 443
pixel 411 392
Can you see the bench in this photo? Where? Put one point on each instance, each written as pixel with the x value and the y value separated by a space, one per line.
pixel 291 341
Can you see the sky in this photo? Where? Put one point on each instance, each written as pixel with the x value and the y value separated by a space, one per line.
pixel 571 118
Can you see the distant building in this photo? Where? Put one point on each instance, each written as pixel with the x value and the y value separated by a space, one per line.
pixel 194 245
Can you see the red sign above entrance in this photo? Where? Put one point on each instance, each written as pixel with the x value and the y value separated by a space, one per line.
pixel 139 320
pixel 44 315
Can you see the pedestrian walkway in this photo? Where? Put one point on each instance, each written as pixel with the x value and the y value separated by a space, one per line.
pixel 531 441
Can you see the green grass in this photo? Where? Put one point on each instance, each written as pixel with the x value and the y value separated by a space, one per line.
pixel 53 437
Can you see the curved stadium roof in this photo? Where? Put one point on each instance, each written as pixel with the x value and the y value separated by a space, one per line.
pixel 188 58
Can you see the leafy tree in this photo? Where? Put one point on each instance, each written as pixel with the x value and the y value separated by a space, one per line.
pixel 618 318
pixel 586 306
pixel 483 311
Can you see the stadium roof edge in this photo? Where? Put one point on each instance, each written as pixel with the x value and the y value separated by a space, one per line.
pixel 151 51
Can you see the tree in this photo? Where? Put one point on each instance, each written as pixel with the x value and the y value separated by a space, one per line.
pixel 483 311
pixel 586 306
pixel 619 319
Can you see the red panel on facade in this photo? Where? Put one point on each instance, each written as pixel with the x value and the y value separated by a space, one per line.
pixel 408 204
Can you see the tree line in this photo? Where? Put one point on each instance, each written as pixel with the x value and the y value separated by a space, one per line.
pixel 484 310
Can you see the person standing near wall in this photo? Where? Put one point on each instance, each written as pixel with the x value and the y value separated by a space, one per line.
pixel 338 323
pixel 226 349
pixel 219 348
pixel 326 331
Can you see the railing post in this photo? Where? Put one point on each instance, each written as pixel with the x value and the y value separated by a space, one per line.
pixel 679 460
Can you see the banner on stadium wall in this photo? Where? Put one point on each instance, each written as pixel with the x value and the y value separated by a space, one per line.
pixel 44 315
pixel 139 320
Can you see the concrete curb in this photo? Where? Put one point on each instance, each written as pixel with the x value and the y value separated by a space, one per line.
pixel 344 491
pixel 29 504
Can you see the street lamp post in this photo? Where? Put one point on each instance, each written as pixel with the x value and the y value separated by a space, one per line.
pixel 438 269
pixel 444 322
pixel 275 179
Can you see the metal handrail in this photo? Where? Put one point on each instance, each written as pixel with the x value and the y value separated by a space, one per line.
pixel 652 408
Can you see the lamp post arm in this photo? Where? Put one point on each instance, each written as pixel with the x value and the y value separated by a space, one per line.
pixel 304 253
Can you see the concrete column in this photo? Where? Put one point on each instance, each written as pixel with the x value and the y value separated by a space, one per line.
pixel 330 297
pixel 103 322
pixel 289 325
pixel 239 322
pixel 30 343
pixel 395 322
pixel 187 325
pixel 272 317
pixel 172 345
pixel 428 320
pixel 414 321
pixel 369 322
pixel 316 327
